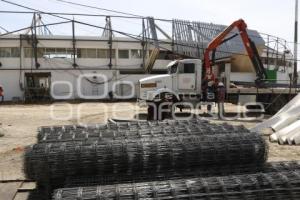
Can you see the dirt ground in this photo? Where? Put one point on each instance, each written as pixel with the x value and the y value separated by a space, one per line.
pixel 19 125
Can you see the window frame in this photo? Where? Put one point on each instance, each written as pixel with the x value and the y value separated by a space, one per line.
pixel 128 55
pixel 184 66
pixel 139 53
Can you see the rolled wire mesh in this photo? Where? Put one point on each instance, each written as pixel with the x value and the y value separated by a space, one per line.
pixel 267 186
pixel 223 170
pixel 119 125
pixel 60 160
pixel 135 130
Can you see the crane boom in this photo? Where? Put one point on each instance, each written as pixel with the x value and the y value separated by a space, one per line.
pixel 248 43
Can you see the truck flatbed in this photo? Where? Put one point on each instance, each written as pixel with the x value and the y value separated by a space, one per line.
pixel 254 90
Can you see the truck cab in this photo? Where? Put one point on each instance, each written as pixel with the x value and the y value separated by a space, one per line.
pixel 182 82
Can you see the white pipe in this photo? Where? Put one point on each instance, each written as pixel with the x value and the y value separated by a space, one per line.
pixel 297 138
pixel 291 128
pixel 266 124
pixel 284 138
pixel 274 137
pixel 287 118
pixel 291 138
pixel 292 103
pixel 276 118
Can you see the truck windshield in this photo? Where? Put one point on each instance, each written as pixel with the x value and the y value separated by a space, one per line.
pixel 173 68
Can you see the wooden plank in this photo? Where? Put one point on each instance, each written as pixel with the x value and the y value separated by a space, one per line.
pixel 22 196
pixel 27 186
pixel 9 190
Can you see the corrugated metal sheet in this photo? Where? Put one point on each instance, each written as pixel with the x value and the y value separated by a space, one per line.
pixel 197 35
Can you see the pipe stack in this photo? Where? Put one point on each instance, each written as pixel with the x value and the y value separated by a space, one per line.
pixel 285 124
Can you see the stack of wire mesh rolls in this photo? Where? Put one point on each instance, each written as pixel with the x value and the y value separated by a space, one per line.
pixel 266 186
pixel 139 149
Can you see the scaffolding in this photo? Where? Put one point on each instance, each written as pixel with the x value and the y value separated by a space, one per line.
pixel 186 39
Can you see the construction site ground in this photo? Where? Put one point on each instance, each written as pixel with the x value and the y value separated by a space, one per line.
pixel 19 123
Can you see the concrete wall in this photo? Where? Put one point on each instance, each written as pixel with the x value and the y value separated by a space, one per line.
pixel 10 82
pixel 73 84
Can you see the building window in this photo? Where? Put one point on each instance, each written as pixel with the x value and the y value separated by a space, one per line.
pixel 4 52
pixel 28 52
pixel 187 68
pixel 104 53
pixel 113 53
pixel 79 53
pixel 124 54
pixel 15 52
pixel 60 53
pixel 40 52
pixel 91 53
pixel 136 53
pixel 94 53
pixel 8 52
pixel 70 53
pixel 50 53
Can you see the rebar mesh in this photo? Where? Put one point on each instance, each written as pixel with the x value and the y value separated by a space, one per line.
pixel 267 186
pixel 135 130
pixel 60 160
pixel 224 170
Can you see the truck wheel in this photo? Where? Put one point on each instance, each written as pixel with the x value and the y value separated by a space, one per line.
pixel 154 112
pixel 170 99
pixel 150 113
pixel 168 114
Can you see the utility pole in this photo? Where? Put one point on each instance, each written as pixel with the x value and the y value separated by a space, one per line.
pixel 296 44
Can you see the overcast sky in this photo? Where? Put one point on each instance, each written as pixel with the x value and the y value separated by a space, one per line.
pixel 275 17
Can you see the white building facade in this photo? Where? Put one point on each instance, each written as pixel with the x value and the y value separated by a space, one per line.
pixel 87 74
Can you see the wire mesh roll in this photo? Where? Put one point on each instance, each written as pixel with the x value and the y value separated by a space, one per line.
pixel 267 186
pixel 138 130
pixel 61 160
pixel 119 125
pixel 221 170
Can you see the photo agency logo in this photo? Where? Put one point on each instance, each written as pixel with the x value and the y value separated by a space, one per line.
pixel 94 86
pixel 89 87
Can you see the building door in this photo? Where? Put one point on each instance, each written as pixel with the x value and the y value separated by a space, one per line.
pixel 186 77
pixel 37 86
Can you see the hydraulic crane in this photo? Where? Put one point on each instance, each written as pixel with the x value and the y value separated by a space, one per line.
pixel 249 46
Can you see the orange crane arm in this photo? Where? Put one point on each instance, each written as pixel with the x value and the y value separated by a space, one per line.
pixel 249 45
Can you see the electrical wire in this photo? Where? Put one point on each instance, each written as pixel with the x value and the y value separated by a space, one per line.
pixel 99 8
pixel 70 14
pixel 96 15
pixel 136 37
pixel 262 35
pixel 133 36
pixel 1 27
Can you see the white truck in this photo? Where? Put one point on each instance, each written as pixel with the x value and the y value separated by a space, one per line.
pixel 184 79
pixel 183 84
